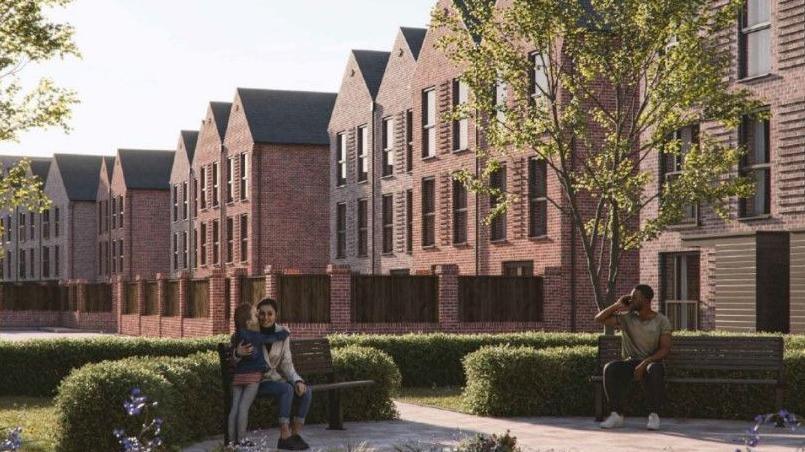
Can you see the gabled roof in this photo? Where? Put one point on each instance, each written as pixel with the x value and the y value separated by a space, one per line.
pixel 145 169
pixel 189 139
pixel 220 114
pixel 287 117
pixel 80 174
pixel 372 64
pixel 110 166
pixel 41 167
pixel 470 21
pixel 415 37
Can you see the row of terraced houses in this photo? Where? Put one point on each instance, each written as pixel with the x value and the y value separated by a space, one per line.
pixel 363 178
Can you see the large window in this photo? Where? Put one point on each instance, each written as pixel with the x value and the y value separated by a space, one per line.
pixel 501 100
pixel 428 212
pixel 203 182
pixel 56 261
pixel 185 200
pixel 244 176
pixel 388 146
pixel 388 224
pixel 756 165
pixel 45 262
pixel 202 237
pixel 674 165
pixel 230 239
pixel 175 248
pixel 120 211
pixel 363 153
pixel 341 158
pixel 56 222
pixel 459 213
pixel 680 289
pixel 537 198
pixel 497 180
pixel 409 140
pixel 184 250
pixel 31 263
pixel 195 197
pixel 114 256
pixel 754 46
pixel 175 202
pixel 539 75
pixel 244 238
pixel 409 221
pixel 114 212
pixel 195 248
pixel 230 179
pixel 460 126
pixel 363 227
pixel 341 230
pixel 120 255
pixel 428 123
pixel 216 181
pixel 32 225
pixel 21 227
pixel 22 265
pixel 46 224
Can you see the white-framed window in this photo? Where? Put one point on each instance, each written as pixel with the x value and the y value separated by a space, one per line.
pixel 244 176
pixel 341 159
pixel 754 44
pixel 230 179
pixel 680 291
pixel 363 153
pixel 388 146
pixel 756 164
pixel 461 131
pixel 539 74
pixel 429 123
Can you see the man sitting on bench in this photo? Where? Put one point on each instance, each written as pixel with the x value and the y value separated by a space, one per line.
pixel 646 341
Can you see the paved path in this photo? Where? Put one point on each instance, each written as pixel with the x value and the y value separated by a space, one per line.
pixel 45 333
pixel 419 427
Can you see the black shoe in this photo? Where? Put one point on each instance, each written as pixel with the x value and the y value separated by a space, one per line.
pixel 298 439
pixel 289 444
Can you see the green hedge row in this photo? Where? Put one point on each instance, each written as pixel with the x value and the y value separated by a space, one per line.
pixel 427 360
pixel 90 400
pixel 523 381
pixel 35 368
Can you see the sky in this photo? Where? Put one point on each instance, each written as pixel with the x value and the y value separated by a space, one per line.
pixel 150 67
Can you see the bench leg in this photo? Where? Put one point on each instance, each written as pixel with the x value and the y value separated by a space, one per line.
pixel 336 417
pixel 598 389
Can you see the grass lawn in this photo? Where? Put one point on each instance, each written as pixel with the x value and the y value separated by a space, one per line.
pixel 446 398
pixel 36 416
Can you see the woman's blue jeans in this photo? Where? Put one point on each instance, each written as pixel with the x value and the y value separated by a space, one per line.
pixel 283 392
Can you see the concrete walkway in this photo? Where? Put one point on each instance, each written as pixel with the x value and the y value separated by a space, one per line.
pixel 422 429
pixel 11 334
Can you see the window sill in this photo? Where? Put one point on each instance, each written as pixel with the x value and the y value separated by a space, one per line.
pixel 388 254
pixel 428 247
pixel 341 186
pixel 387 177
pixel 363 182
pixel 429 157
pixel 755 78
pixel 499 242
pixel 540 238
pixel 755 218
pixel 462 245
pixel 460 151
pixel 683 226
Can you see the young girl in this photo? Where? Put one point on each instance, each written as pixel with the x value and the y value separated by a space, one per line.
pixel 249 369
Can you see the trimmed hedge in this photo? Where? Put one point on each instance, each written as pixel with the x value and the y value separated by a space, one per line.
pixel 35 368
pixel 90 400
pixel 523 381
pixel 428 360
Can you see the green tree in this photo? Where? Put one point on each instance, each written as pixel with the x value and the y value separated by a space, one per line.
pixel 620 78
pixel 28 36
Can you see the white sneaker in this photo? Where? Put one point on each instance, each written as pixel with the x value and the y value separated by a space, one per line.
pixel 653 422
pixel 614 420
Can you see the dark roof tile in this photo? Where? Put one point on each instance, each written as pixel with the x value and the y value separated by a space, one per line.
pixel 80 174
pixel 145 169
pixel 189 139
pixel 287 117
pixel 220 114
pixel 415 37
pixel 372 64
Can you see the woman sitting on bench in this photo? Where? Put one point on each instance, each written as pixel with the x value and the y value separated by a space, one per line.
pixel 281 380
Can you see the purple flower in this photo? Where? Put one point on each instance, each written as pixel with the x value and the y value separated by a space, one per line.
pixel 13 441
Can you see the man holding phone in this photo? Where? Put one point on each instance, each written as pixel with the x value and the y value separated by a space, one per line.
pixel 646 341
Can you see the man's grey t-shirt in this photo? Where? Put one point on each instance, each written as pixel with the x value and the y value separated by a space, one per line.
pixel 641 338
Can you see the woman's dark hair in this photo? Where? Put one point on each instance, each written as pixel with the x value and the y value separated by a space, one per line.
pixel 268 301
pixel 242 315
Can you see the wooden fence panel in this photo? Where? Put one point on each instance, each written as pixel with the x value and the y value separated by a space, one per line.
pixel 171 307
pixel 99 297
pixel 198 302
pixel 64 298
pixel 252 289
pixel 131 298
pixel 31 297
pixel 500 298
pixel 151 299
pixel 395 298
pixel 304 298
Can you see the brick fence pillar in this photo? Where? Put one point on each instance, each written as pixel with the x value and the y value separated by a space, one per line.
pixel 118 299
pixel 218 301
pixel 273 274
pixel 556 306
pixel 81 293
pixel 448 297
pixel 160 278
pixel 340 297
pixel 236 277
pixel 184 289
pixel 139 308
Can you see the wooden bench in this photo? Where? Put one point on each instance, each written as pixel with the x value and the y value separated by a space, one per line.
pixel 729 353
pixel 311 358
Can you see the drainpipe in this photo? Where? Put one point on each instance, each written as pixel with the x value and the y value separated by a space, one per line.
pixel 573 251
pixel 373 110
pixel 477 203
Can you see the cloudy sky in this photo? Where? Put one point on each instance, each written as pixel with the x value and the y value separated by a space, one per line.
pixel 149 67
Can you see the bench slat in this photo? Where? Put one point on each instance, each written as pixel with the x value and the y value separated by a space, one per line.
pixel 599 378
pixel 340 385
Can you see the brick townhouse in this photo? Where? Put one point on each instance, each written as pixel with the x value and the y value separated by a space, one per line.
pixel 181 208
pixel 353 131
pixel 135 201
pixel 262 189
pixel 21 239
pixel 747 273
pixel 207 212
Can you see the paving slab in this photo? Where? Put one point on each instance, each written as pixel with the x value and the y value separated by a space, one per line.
pixel 429 429
pixel 7 334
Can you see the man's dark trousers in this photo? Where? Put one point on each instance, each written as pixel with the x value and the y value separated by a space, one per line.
pixel 618 379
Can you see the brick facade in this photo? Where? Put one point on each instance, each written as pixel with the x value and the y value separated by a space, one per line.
pixel 182 204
